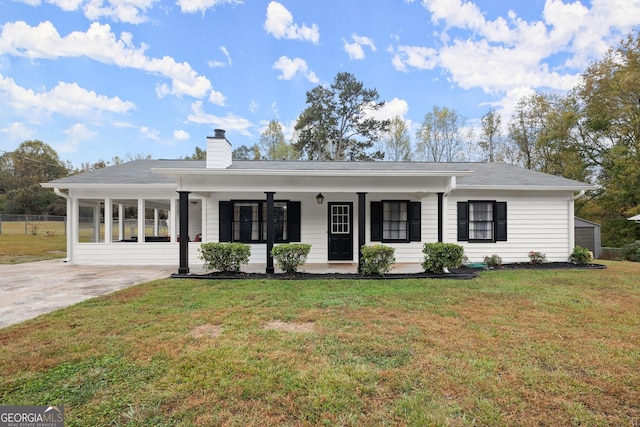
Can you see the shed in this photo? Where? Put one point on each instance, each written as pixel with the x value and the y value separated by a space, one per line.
pixel 587 235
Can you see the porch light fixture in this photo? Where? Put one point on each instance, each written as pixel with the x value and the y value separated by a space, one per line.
pixel 319 198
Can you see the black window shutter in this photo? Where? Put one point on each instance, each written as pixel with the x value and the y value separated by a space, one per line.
pixel 463 221
pixel 415 221
pixel 225 220
pixel 501 221
pixel 293 221
pixel 376 221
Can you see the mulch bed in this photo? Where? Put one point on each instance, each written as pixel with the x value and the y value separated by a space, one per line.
pixel 462 273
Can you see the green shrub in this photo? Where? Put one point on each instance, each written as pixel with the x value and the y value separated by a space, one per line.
pixel 493 261
pixel 441 256
pixel 290 256
pixel 377 260
pixel 580 256
pixel 631 252
pixel 227 257
pixel 537 257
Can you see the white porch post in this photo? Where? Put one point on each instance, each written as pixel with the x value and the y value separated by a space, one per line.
pixel 73 227
pixel 108 220
pixel 96 222
pixel 120 221
pixel 141 221
pixel 156 222
pixel 172 220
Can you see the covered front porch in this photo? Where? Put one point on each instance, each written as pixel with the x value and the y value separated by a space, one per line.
pixel 336 211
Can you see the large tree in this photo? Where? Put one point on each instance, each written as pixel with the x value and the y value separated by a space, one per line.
pixel 273 144
pixel 541 128
pixel 397 142
pixel 609 132
pixel 441 136
pixel 338 123
pixel 491 135
pixel 21 173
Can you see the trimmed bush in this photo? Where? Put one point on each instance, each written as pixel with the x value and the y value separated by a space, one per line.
pixel 537 258
pixel 438 257
pixel 580 256
pixel 226 257
pixel 631 252
pixel 377 260
pixel 493 261
pixel 290 256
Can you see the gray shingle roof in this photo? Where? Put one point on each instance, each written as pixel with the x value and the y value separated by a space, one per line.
pixel 484 174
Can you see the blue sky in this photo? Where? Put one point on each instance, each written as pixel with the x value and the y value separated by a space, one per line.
pixel 97 79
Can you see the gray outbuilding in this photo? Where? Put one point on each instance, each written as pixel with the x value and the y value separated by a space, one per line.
pixel 587 235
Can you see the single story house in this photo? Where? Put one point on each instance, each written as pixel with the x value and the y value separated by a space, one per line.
pixel 162 209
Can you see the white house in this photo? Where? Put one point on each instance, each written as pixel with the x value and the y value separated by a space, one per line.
pixel 489 208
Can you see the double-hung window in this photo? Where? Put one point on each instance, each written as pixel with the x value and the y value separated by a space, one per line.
pixel 395 221
pixel 245 221
pixel 482 221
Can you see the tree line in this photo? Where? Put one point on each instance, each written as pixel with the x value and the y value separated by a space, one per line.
pixel 591 133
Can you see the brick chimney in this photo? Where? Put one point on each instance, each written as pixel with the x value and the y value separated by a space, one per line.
pixel 218 151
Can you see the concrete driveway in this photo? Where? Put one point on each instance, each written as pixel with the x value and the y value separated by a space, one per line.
pixel 31 289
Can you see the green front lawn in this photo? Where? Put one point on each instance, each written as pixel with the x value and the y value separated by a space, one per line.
pixel 508 348
pixel 20 248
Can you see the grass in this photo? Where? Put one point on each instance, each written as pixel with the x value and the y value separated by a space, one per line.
pixel 19 248
pixel 510 348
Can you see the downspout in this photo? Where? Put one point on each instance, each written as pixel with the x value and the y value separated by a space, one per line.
pixel 572 215
pixel 68 225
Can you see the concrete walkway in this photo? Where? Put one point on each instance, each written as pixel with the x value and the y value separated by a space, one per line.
pixel 31 289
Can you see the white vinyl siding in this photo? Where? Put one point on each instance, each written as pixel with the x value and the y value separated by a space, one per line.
pixel 536 221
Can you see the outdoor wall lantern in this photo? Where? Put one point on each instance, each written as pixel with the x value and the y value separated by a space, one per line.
pixel 319 198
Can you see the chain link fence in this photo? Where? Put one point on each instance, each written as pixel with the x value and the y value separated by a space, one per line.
pixel 50 225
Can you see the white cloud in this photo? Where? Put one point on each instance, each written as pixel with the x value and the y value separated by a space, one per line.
pixel 391 109
pixel 219 64
pixel 291 67
pixel 279 24
pixel 418 57
pixel 253 106
pixel 129 11
pixel 230 122
pixel 100 44
pixel 150 133
pixel 355 50
pixel 509 57
pixel 18 131
pixel 66 99
pixel 76 134
pixel 217 98
pixel 181 135
pixel 30 2
pixel 193 6
pixel 79 131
